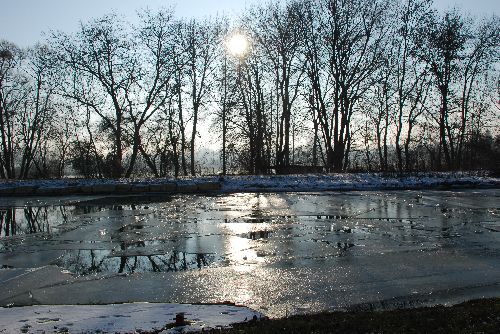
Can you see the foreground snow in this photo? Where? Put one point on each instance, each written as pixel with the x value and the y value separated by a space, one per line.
pixel 120 318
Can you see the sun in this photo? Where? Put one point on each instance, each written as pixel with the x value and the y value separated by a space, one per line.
pixel 238 45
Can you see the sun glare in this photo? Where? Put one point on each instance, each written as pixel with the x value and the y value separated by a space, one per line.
pixel 238 45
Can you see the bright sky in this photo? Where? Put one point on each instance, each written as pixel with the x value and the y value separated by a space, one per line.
pixel 23 21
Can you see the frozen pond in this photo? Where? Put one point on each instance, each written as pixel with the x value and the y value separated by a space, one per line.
pixel 278 253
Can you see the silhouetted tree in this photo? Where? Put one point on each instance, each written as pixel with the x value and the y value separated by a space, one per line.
pixel 276 29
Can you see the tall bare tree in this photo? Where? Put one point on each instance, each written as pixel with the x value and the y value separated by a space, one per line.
pixel 276 29
pixel 352 35
pixel 101 67
pixel 26 107
pixel 13 92
pixel 482 53
pixel 120 76
pixel 150 87
pixel 200 42
pixel 409 74
pixel 441 45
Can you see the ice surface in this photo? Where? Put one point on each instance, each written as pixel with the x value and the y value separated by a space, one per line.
pixel 278 253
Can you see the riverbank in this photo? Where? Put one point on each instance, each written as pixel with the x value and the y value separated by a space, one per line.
pixel 477 316
pixel 252 183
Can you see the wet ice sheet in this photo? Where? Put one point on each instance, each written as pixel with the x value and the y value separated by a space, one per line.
pixel 122 318
pixel 278 253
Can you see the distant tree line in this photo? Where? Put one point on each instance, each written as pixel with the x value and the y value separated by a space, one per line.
pixel 377 85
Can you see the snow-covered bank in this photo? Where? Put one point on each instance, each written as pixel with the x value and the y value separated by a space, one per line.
pixel 121 318
pixel 365 181
pixel 253 183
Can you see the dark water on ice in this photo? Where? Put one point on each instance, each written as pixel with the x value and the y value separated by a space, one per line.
pixel 278 253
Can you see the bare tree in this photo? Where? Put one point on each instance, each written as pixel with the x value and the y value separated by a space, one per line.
pixel 12 94
pixel 179 59
pixel 410 75
pixel 225 92
pixel 101 67
pixel 120 76
pixel 482 52
pixel 38 112
pixel 26 94
pixel 200 42
pixel 253 103
pixel 276 29
pixel 156 69
pixel 351 33
pixel 441 44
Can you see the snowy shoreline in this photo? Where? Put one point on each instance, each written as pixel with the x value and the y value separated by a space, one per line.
pixel 232 184
pixel 122 318
pixel 353 182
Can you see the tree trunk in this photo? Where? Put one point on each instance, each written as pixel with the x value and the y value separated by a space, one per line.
pixel 193 138
pixel 135 152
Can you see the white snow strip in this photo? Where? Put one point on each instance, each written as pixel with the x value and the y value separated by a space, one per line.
pixel 120 318
pixel 309 182
pixel 365 181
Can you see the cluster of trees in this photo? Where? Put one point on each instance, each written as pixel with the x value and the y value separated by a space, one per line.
pixel 348 85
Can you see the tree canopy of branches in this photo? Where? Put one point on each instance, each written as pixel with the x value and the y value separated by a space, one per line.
pixel 388 85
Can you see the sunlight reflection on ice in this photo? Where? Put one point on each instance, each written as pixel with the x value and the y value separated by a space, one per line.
pixel 279 253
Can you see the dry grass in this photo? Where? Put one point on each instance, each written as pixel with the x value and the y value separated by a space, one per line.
pixel 478 316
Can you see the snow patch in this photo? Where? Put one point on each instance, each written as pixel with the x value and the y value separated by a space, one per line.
pixel 120 318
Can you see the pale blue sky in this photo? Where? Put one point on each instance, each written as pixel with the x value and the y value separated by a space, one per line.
pixel 23 21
